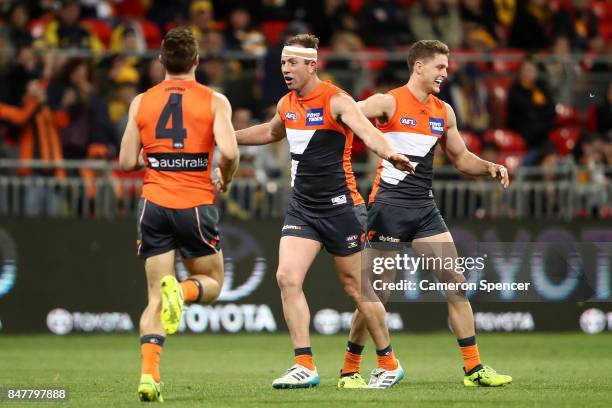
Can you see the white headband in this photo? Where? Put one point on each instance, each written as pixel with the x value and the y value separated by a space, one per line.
pixel 300 52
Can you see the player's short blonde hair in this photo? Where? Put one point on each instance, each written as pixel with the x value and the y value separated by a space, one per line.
pixel 425 50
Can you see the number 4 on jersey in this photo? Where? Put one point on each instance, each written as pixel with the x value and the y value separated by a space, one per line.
pixel 173 112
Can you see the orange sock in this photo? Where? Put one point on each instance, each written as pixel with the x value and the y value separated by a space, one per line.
pixel 386 359
pixel 352 363
pixel 150 350
pixel 470 355
pixel 305 360
pixel 352 358
pixel 191 290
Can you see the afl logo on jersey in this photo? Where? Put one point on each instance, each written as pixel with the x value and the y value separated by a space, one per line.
pixel 314 117
pixel 292 116
pixel 436 126
pixel 406 121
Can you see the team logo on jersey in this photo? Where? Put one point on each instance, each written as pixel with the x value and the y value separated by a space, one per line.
pixel 406 121
pixel 436 126
pixel 292 227
pixel 314 117
pixel 352 238
pixel 292 116
pixel 178 161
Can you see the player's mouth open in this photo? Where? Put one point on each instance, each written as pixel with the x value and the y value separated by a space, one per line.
pixel 439 81
pixel 288 80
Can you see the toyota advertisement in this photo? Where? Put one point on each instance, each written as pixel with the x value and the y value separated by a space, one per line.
pixel 83 276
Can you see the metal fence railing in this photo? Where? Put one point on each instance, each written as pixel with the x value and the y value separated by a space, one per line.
pixel 101 191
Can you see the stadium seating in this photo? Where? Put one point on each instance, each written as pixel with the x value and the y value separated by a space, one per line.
pixel 472 141
pixel 100 29
pixel 565 139
pixel 567 115
pixel 273 30
pixel 498 88
pixel 507 141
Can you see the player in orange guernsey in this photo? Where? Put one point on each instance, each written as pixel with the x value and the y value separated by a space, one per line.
pixel 319 119
pixel 172 130
pixel 402 208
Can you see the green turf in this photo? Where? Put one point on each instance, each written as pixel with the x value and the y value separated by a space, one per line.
pixel 221 370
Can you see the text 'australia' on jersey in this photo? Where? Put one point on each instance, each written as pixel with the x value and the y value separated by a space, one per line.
pixel 321 172
pixel 175 121
pixel 414 130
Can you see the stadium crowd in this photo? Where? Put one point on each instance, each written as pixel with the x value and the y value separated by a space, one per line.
pixel 530 80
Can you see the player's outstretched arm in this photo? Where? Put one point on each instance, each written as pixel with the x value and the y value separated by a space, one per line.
pixel 266 133
pixel 129 154
pixel 381 106
pixel 226 142
pixel 466 161
pixel 346 108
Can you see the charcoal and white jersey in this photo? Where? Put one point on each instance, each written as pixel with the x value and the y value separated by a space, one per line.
pixel 414 129
pixel 321 172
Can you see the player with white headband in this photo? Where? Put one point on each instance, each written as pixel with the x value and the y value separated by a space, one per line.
pixel 326 210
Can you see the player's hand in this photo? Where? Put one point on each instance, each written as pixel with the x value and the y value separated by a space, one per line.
pixel 401 162
pixel 219 181
pixel 500 172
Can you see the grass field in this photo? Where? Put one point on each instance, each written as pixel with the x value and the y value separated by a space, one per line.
pixel 220 370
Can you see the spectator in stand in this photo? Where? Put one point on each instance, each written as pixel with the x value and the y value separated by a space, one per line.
pixel 563 71
pixel 216 72
pixel 468 96
pixel 436 20
pixel 201 18
pixel 242 35
pixel 479 19
pixel 548 161
pixel 37 128
pixel 344 46
pixel 26 67
pixel 152 74
pixel 89 121
pixel 383 23
pixel 127 37
pixel 532 26
pixel 213 43
pixel 66 31
pixel 125 89
pixel 579 23
pixel 167 14
pixel 604 115
pixel 17 29
pixel 530 109
pixel 335 16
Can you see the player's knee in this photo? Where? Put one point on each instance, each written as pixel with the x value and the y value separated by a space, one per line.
pixel 352 290
pixel 287 281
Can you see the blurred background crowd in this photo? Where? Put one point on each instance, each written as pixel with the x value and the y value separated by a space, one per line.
pixel 530 80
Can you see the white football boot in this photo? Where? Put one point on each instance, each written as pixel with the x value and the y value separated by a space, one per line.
pixel 381 378
pixel 297 376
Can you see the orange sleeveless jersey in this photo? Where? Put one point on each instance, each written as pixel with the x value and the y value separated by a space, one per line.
pixel 414 130
pixel 176 131
pixel 321 172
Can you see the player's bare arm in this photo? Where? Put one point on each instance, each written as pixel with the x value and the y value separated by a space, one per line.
pixel 225 140
pixel 379 106
pixel 466 161
pixel 130 153
pixel 346 109
pixel 265 133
